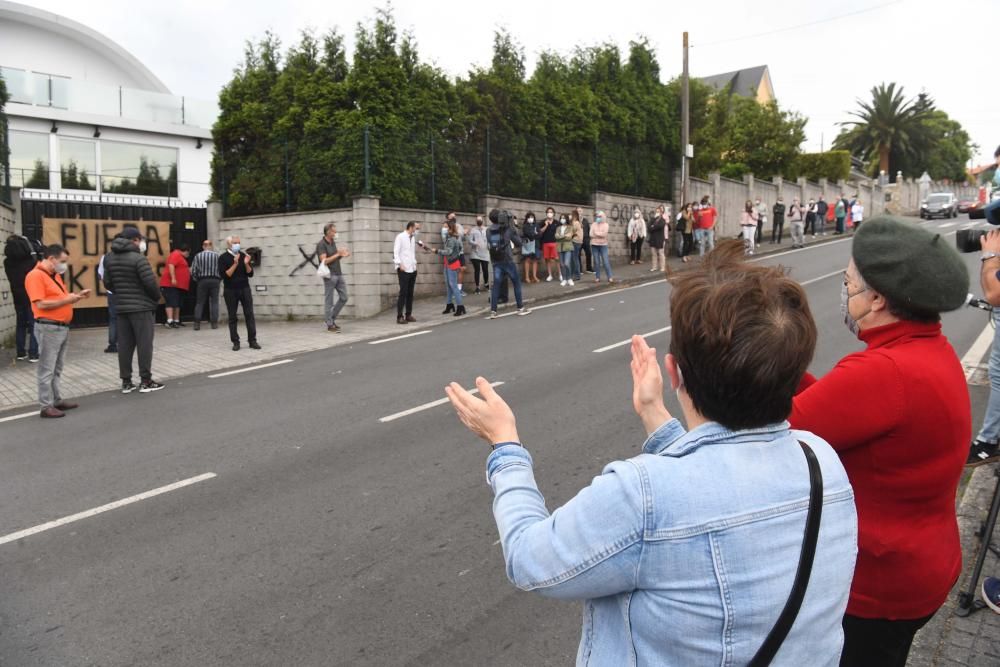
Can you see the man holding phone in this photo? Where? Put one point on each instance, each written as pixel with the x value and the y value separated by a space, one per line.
pixel 404 256
pixel 52 306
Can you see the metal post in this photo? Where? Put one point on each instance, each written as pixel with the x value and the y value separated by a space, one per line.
pixel 119 100
pixel 368 181
pixel 488 190
pixel 545 169
pixel 288 182
pixel 597 169
pixel 433 176
pixel 685 123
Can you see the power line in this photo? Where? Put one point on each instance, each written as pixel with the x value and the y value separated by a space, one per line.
pixel 801 25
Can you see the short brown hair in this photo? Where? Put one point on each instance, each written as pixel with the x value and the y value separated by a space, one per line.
pixel 743 336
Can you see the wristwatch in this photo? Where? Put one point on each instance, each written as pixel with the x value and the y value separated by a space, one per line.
pixel 988 255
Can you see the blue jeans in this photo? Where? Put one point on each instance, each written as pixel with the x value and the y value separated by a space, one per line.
pixel 991 421
pixel 454 294
pixel 705 239
pixel 566 264
pixel 24 333
pixel 576 260
pixel 601 259
pixel 500 269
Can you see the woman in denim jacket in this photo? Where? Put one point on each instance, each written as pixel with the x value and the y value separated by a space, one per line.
pixel 685 554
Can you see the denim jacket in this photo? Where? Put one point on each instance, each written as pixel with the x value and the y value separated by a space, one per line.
pixel 685 554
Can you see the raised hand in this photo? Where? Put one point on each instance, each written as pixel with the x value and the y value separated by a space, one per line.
pixel 488 417
pixel 647 385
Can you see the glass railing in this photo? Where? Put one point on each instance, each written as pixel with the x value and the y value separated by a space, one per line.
pixel 45 90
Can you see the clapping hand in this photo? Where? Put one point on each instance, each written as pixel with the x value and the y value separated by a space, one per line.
pixel 991 241
pixel 647 386
pixel 488 417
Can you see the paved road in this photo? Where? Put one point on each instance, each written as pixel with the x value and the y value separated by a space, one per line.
pixel 326 535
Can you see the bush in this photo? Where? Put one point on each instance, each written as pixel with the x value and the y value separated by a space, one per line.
pixel 831 165
pixel 734 170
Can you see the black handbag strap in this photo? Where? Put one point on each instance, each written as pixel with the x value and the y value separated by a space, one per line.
pixel 767 651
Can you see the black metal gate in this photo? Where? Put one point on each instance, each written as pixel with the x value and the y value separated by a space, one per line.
pixel 187 225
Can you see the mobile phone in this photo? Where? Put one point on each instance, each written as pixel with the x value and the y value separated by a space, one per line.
pixel 420 243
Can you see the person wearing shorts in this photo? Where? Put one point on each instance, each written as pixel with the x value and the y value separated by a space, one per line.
pixel 548 243
pixel 174 282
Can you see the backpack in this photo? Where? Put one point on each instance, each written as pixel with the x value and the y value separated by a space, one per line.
pixel 494 241
pixel 530 230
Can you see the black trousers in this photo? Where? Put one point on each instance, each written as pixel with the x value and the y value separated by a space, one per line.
pixel 404 304
pixel 777 230
pixel 484 266
pixel 135 332
pixel 760 231
pixel 207 291
pixel 878 642
pixel 635 250
pixel 585 249
pixel 810 227
pixel 235 298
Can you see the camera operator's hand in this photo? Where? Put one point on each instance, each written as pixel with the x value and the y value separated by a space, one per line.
pixel 991 241
pixel 647 386
pixel 488 417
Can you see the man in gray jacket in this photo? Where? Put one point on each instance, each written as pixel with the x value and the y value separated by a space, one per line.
pixel 128 274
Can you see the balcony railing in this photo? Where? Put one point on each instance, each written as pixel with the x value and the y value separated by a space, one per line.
pixel 58 92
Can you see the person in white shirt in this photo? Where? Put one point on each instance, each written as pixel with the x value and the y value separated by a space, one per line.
pixel 112 347
pixel 857 213
pixel 404 256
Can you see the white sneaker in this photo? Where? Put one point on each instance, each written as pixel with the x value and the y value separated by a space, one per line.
pixel 562 283
pixel 493 315
pixel 570 282
pixel 523 311
pixel 549 278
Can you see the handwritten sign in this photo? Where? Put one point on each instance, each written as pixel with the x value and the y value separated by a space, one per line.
pixel 88 240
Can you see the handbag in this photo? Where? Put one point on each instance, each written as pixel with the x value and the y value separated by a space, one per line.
pixel 765 654
pixel 323 271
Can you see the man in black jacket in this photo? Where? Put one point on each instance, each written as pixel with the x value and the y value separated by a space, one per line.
pixel 236 268
pixel 19 259
pixel 778 221
pixel 499 238
pixel 128 274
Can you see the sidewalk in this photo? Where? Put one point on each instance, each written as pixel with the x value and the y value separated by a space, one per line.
pixel 181 352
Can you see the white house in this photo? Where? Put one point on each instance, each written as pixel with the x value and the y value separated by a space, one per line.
pixel 88 121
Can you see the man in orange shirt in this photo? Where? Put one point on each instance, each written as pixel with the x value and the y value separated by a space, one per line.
pixel 52 307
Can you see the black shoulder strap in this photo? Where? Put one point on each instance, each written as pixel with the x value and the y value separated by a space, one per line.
pixel 767 651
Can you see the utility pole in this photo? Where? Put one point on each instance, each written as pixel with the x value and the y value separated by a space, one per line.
pixel 685 128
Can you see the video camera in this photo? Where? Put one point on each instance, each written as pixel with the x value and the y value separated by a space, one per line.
pixel 967 240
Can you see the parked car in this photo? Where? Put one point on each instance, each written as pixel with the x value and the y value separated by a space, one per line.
pixel 977 212
pixel 939 204
pixel 965 205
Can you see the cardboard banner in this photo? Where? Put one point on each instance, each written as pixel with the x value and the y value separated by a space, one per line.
pixel 88 240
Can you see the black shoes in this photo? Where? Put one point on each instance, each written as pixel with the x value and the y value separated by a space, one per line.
pixel 254 345
pixel 982 452
pixel 148 386
pixel 111 349
pixel 236 347
pixel 460 311
pixel 450 308
pixel 127 387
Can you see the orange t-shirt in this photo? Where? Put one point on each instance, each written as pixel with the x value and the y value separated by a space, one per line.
pixel 44 286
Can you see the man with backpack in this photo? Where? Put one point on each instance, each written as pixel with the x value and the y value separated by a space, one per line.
pixel 20 257
pixel 499 239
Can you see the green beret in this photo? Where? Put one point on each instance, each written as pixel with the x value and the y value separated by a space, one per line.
pixel 910 265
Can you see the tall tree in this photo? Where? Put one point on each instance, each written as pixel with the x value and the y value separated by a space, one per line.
pixel 888 124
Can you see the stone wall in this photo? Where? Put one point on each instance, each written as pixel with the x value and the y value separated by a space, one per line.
pixel 8 226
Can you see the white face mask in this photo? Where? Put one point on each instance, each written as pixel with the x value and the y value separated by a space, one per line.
pixel 62 267
pixel 142 247
pixel 235 248
pixel 845 299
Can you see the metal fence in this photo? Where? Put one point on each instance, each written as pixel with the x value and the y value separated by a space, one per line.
pixel 429 168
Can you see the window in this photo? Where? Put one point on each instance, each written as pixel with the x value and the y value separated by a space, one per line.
pixel 29 159
pixel 139 170
pixel 77 164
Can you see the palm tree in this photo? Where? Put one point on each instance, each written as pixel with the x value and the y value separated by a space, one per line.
pixel 889 126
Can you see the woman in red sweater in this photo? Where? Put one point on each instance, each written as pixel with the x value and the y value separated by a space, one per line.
pixel 898 413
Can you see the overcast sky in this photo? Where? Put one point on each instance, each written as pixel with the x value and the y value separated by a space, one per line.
pixel 822 55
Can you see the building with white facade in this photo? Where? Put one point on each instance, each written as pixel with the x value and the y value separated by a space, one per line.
pixel 89 122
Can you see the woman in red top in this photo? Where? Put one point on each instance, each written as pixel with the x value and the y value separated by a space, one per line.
pixel 175 280
pixel 898 413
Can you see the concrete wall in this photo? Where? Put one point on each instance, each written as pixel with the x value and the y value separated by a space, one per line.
pixel 285 283
pixel 8 226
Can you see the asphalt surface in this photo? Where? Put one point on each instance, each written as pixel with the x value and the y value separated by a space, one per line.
pixel 328 536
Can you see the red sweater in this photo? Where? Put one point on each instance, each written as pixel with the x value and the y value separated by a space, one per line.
pixel 899 415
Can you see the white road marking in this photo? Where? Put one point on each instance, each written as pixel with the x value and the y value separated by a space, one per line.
pixel 409 335
pixel 975 355
pixel 948 225
pixel 812 246
pixel 104 508
pixel 629 341
pixel 250 368
pixel 583 298
pixel 665 329
pixel 21 416
pixel 427 406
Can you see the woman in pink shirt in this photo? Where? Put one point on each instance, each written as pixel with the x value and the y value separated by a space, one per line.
pixel 599 246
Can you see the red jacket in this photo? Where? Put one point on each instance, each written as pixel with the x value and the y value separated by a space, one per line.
pixel 899 415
